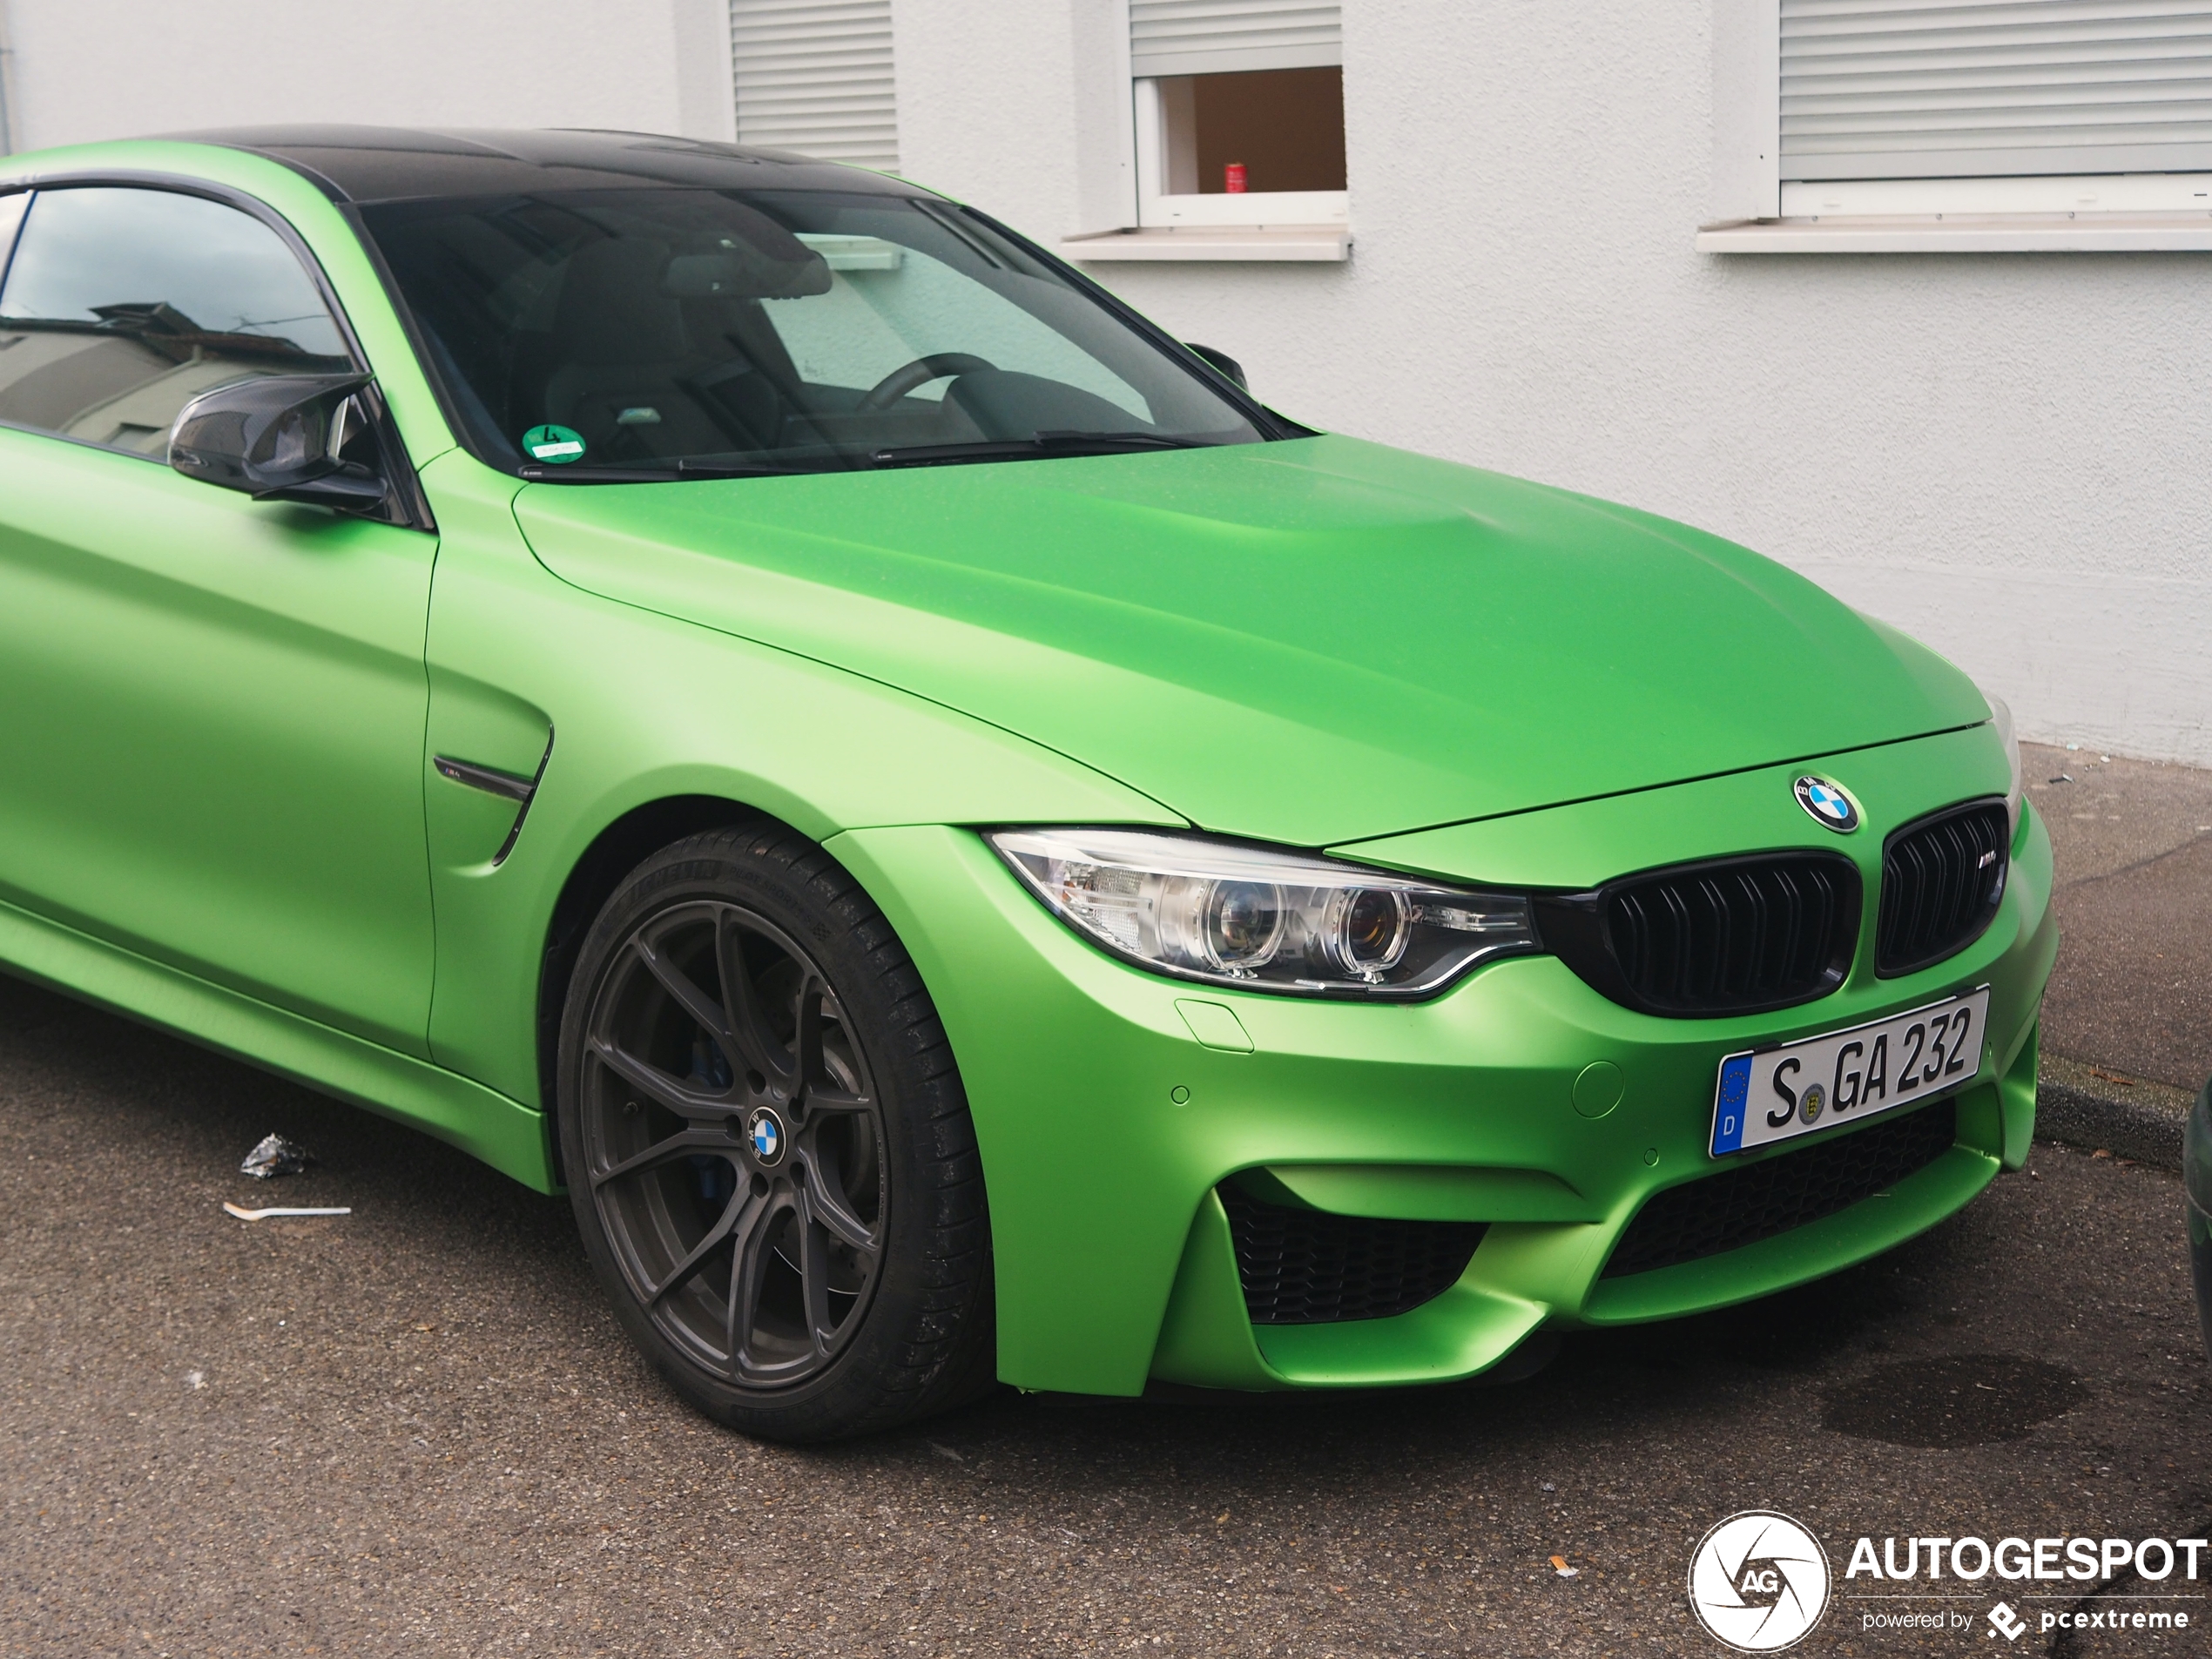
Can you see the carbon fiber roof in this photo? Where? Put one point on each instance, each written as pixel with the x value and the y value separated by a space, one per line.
pixel 370 164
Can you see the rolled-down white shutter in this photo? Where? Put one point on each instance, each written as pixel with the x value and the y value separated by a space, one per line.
pixel 814 76
pixel 1224 37
pixel 1910 88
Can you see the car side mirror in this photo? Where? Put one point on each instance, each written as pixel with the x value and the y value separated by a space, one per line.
pixel 1222 360
pixel 279 438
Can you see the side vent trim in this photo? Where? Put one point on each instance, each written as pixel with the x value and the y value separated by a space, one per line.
pixel 487 779
pixel 505 784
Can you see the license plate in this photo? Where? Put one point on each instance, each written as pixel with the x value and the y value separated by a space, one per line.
pixel 1771 1094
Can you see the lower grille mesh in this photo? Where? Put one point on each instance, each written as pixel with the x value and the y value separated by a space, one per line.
pixel 1726 1211
pixel 1309 1267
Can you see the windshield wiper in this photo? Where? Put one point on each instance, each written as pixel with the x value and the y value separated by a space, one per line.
pixel 920 455
pixel 685 468
pixel 1043 445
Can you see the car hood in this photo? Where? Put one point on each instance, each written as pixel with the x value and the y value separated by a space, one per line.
pixel 1312 641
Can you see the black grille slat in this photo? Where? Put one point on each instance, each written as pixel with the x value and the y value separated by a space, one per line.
pixel 1904 892
pixel 1764 1200
pixel 1733 936
pixel 1774 933
pixel 1942 879
pixel 1312 1267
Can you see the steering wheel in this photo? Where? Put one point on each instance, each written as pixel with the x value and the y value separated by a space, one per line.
pixel 921 371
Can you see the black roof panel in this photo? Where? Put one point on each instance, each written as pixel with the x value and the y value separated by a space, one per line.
pixel 368 163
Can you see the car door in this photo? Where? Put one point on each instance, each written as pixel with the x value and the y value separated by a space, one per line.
pixel 212 751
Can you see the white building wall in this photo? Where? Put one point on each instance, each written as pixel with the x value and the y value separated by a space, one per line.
pixel 2010 456
pixel 104 69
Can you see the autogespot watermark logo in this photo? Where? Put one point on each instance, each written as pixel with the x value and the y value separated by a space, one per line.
pixel 2100 1584
pixel 1758 1582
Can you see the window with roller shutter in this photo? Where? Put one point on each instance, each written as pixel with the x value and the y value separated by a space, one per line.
pixel 815 75
pixel 1900 89
pixel 2074 111
pixel 1239 112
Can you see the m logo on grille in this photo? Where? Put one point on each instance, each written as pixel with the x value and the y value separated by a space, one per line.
pixel 1830 806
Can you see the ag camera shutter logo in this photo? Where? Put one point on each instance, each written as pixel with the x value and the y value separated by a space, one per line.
pixel 1758 1582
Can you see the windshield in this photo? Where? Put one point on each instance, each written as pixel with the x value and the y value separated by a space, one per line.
pixel 672 332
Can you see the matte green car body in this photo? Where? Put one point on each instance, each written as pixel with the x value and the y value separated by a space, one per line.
pixel 1319 643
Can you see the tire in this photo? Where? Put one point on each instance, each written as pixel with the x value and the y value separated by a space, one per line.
pixel 767 1146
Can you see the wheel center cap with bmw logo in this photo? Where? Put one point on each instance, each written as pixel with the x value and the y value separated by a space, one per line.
pixel 1830 806
pixel 765 1130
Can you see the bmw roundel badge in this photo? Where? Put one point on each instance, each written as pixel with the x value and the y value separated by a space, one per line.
pixel 766 1131
pixel 1830 806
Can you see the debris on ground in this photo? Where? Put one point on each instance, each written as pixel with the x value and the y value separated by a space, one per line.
pixel 273 1156
pixel 1560 1565
pixel 244 1214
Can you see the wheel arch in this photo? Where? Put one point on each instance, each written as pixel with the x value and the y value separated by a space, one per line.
pixel 619 847
pixel 916 1270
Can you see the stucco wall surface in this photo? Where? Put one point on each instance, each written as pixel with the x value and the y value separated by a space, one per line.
pixel 84 69
pixel 2010 456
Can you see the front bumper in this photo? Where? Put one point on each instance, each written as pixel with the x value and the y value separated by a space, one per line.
pixel 1109 1103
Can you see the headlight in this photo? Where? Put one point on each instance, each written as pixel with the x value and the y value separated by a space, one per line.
pixel 2001 716
pixel 1260 920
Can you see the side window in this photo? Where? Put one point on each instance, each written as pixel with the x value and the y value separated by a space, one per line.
pixel 121 306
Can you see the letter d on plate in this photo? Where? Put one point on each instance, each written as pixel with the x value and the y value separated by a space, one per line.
pixel 1729 1105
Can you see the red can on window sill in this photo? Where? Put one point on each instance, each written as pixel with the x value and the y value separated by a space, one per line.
pixel 1232 178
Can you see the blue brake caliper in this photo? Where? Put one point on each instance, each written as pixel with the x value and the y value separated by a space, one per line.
pixel 716 1176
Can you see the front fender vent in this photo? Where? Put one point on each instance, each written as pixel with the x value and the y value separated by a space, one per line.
pixel 1728 936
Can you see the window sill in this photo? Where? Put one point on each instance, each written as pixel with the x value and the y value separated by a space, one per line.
pixel 1277 242
pixel 1965 233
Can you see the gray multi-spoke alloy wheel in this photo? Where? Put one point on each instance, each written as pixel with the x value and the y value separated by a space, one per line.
pixel 766 1145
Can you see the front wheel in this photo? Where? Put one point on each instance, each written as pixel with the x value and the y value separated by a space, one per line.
pixel 766 1144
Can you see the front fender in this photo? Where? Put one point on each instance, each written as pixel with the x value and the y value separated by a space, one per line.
pixel 643 707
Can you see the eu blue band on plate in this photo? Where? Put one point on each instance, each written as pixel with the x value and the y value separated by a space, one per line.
pixel 1728 1105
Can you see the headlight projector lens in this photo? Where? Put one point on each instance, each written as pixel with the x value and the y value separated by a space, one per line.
pixel 1370 927
pixel 1244 925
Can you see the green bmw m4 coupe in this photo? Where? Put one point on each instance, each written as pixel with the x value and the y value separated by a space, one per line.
pixel 741 689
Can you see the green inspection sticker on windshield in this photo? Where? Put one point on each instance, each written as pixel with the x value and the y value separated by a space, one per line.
pixel 556 445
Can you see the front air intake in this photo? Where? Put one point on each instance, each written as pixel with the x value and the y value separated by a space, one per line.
pixel 1942 876
pixel 1312 1267
pixel 1738 935
pixel 1718 1213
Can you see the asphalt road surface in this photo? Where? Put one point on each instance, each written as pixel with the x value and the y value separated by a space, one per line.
pixel 416 1430
pixel 2132 989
